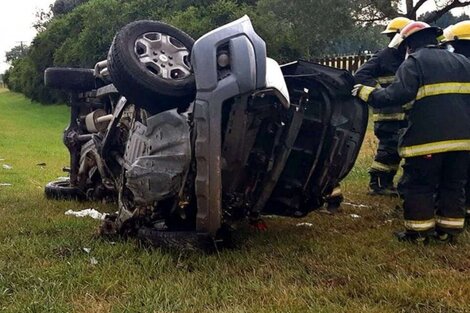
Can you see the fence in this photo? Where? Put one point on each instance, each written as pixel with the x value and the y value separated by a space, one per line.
pixel 349 62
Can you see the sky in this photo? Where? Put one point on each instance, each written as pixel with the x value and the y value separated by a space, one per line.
pixel 18 16
pixel 16 20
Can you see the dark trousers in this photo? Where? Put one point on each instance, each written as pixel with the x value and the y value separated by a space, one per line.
pixel 386 160
pixel 467 192
pixel 433 188
pixel 387 156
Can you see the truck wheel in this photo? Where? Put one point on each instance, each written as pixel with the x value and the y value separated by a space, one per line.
pixel 149 64
pixel 70 79
pixel 61 190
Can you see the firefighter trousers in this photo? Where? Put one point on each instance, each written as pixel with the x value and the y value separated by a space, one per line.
pixel 433 189
pixel 387 160
pixel 467 192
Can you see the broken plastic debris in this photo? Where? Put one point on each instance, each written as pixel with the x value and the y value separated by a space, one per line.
pixel 357 205
pixel 87 250
pixel 324 211
pixel 272 216
pixel 93 261
pixel 5 184
pixel 88 212
pixel 7 167
pixel 259 224
pixel 355 216
pixel 304 224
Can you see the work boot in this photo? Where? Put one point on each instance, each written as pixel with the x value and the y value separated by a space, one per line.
pixel 443 237
pixel 412 237
pixel 334 200
pixel 331 207
pixel 381 184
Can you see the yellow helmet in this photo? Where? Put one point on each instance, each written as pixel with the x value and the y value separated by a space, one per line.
pixel 446 35
pixel 396 25
pixel 459 31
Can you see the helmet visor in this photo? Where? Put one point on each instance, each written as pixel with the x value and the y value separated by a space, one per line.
pixel 396 41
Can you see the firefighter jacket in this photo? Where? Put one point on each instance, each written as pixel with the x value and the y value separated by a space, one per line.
pixel 380 71
pixel 436 82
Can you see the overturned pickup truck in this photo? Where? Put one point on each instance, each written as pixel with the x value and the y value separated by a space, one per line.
pixel 192 137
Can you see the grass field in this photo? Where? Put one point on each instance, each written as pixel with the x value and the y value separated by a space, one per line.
pixel 341 264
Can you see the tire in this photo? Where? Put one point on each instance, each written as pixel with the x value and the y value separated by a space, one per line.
pixel 70 79
pixel 163 82
pixel 61 190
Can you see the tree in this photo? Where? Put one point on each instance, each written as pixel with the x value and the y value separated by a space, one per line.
pixel 359 40
pixel 446 19
pixel 371 11
pixel 310 28
pixel 42 19
pixel 65 6
pixel 442 9
pixel 78 33
pixel 17 52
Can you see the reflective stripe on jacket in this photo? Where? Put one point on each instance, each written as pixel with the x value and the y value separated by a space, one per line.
pixel 380 70
pixel 438 83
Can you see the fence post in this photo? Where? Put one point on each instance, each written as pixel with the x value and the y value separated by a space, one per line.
pixel 350 63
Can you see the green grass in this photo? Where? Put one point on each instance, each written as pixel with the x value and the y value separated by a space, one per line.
pixel 342 264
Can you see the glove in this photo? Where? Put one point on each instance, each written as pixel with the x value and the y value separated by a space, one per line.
pixel 356 89
pixel 362 92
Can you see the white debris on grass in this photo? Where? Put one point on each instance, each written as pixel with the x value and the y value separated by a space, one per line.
pixel 5 185
pixel 357 205
pixel 273 217
pixel 7 167
pixel 304 225
pixel 93 261
pixel 87 250
pixel 355 216
pixel 88 212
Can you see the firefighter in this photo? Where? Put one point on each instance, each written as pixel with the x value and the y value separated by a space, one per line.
pixel 436 142
pixel 457 39
pixel 380 70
